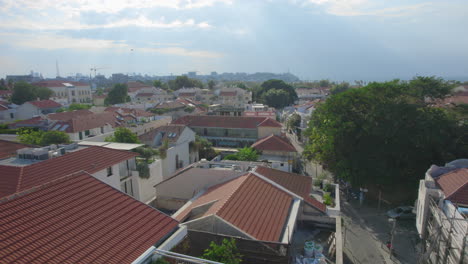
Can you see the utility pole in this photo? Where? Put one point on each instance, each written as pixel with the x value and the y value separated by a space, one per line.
pixel 392 235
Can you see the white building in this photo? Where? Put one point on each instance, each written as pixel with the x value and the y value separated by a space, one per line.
pixel 178 139
pixel 36 108
pixel 442 211
pixel 68 92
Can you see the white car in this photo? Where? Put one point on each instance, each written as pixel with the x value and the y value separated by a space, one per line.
pixel 402 212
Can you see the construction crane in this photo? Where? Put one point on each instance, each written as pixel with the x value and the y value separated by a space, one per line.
pixel 95 69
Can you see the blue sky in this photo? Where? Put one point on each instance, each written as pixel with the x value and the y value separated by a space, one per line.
pixel 314 39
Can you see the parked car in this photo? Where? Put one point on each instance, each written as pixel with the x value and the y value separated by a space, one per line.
pixel 402 212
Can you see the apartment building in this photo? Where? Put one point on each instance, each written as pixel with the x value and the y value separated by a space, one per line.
pixel 68 92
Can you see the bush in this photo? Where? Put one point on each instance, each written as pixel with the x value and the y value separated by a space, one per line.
pixel 328 187
pixel 143 170
pixel 327 199
pixel 8 131
pixel 317 182
pixel 227 252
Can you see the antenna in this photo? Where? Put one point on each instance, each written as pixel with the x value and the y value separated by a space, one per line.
pixel 57 67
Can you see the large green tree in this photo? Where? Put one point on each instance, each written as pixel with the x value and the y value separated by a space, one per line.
pixel 118 94
pixel 186 82
pixel 42 138
pixel 244 154
pixel 24 92
pixel 270 90
pixel 383 134
pixel 123 135
pixel 339 88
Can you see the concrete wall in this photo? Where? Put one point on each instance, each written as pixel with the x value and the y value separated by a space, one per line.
pixel 113 180
pixel 26 111
pixel 180 149
pixel 266 131
pixel 146 192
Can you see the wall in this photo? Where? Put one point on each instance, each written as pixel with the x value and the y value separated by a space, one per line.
pixel 113 181
pixel 26 111
pixel 146 191
pixel 169 163
pixel 266 131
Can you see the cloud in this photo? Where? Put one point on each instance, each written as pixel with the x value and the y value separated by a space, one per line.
pixel 49 41
pixel 141 21
pixel 364 7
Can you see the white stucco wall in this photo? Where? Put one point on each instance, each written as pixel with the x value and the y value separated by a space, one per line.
pixel 113 180
pixel 26 111
pixel 266 131
pixel 181 148
pixel 146 191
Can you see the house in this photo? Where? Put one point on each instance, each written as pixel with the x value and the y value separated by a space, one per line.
pixel 259 110
pixel 99 100
pixel 137 115
pixel 178 153
pixel 36 108
pixel 442 213
pixel 81 124
pixel 278 151
pixel 75 218
pixel 7 112
pixel 68 92
pixel 116 168
pixel 235 97
pixel 231 131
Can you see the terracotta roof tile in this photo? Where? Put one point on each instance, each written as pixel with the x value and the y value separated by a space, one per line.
pixel 45 104
pixel 78 219
pixel 298 184
pixel 174 130
pixel 86 122
pixel 250 203
pixel 274 143
pixel 226 121
pixel 455 185
pixel 92 159
pixel 64 116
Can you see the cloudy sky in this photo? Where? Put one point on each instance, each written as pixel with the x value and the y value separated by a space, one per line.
pixel 314 39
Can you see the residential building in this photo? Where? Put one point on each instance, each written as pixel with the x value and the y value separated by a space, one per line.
pixel 442 213
pixel 153 96
pixel 178 154
pixel 234 97
pixel 7 112
pixel 99 100
pixel 306 94
pixel 278 151
pixel 68 92
pixel 36 108
pixel 259 110
pixel 5 94
pixel 82 124
pixel 231 131
pixel 76 218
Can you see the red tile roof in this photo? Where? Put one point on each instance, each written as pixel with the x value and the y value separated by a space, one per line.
pixel 45 104
pixel 64 116
pixel 174 130
pixel 5 93
pixel 135 86
pixel 92 159
pixel 9 148
pixel 35 121
pixel 299 184
pixel 455 186
pixel 58 83
pixel 3 107
pixel 78 219
pixel 274 143
pixel 86 122
pixel 133 111
pixel 170 105
pixel 250 203
pixel 227 93
pixel 226 121
pixel 188 94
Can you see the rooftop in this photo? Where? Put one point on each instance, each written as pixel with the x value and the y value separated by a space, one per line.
pixel 93 159
pixel 227 121
pixel 170 133
pixel 262 214
pixel 58 83
pixel 64 116
pixel 9 148
pixel 454 184
pixel 43 104
pixel 274 143
pixel 78 219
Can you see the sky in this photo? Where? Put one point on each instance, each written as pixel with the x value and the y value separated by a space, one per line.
pixel 313 39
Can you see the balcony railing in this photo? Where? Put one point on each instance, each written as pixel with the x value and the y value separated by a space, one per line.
pixel 182 259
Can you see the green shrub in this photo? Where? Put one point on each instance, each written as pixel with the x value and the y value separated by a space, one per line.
pixel 327 199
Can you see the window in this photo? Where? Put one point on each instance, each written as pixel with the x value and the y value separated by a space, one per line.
pixel 282 164
pixel 109 171
pixel 12 115
pixel 80 135
pixel 87 133
pixel 102 130
pixel 73 93
pixel 225 132
pixel 205 131
pixel 177 161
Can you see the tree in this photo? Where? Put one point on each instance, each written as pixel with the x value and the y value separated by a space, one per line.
pixel 294 121
pixel 185 82
pixel 226 253
pixel 99 91
pixel 41 138
pixel 339 88
pixel 24 92
pixel 283 90
pixel 383 135
pixel 117 95
pixel 54 137
pixel 42 93
pixel 205 148
pixel 324 83
pixel 123 135
pixel 429 87
pixel 276 98
pixel 211 84
pixel 244 154
pixel 3 85
pixel 73 107
pixel 157 84
pixel 147 153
